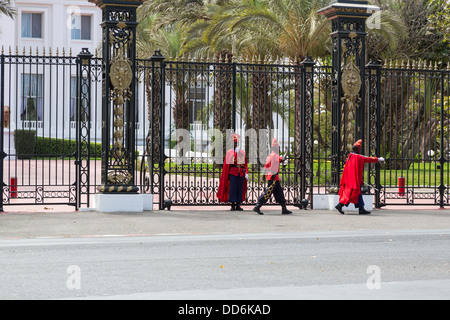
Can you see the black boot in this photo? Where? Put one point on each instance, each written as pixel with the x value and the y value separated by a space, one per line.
pixel 257 207
pixel 363 211
pixel 339 207
pixel 233 207
pixel 238 207
pixel 284 209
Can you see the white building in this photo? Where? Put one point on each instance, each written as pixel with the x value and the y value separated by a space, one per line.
pixel 42 97
pixel 52 24
pixel 41 94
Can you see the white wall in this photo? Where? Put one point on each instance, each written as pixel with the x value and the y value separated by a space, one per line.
pixel 55 27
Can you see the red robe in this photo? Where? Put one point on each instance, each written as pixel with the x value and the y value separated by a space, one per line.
pixel 224 183
pixel 352 177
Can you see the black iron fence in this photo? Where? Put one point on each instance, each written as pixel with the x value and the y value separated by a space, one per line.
pixel 196 105
pixel 415 133
pixel 186 111
pixel 49 124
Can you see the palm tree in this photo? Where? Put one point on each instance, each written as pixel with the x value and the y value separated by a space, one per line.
pixel 7 8
pixel 273 28
pixel 407 36
pixel 165 28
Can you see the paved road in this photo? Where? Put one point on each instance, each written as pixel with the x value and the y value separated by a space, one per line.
pixel 406 264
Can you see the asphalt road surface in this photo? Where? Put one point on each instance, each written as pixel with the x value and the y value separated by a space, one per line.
pixel 369 264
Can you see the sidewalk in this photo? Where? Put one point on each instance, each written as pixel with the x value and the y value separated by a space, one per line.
pixel 65 222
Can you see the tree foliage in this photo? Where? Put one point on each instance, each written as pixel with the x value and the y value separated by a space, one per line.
pixel 7 8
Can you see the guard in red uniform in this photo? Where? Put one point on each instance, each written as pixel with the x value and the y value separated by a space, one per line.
pixel 233 180
pixel 352 179
pixel 272 169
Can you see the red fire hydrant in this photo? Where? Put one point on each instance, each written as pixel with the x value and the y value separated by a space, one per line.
pixel 13 187
pixel 401 186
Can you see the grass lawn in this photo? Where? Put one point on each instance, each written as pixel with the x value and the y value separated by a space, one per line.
pixel 419 174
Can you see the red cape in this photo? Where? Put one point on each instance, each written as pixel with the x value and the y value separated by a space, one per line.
pixel 224 183
pixel 352 177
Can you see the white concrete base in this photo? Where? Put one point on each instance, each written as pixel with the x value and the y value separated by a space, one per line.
pixel 329 201
pixel 140 202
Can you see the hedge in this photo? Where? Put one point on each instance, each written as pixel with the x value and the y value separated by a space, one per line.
pixel 29 146
pixel 25 143
pixel 52 147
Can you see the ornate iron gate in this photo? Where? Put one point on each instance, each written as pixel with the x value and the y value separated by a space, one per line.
pixel 415 134
pixel 194 106
pixel 48 124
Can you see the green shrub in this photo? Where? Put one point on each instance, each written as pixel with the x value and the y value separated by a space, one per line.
pixel 25 142
pixel 29 146
pixel 52 147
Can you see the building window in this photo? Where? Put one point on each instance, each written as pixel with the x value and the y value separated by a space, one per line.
pixel 31 25
pixel 197 102
pixel 31 108
pixel 81 27
pixel 73 101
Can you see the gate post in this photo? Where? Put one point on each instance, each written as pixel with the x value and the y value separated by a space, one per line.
pixel 442 158
pixel 2 110
pixel 83 115
pixel 155 144
pixel 307 121
pixel 118 101
pixel 373 121
pixel 348 19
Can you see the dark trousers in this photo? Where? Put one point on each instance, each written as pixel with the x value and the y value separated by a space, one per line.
pixel 360 203
pixel 273 187
pixel 236 189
